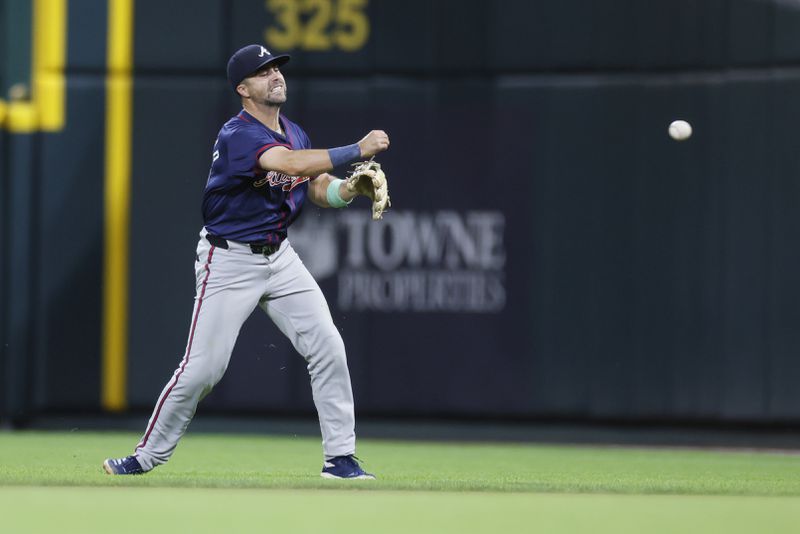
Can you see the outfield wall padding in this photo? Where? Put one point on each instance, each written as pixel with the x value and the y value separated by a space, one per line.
pixel 551 253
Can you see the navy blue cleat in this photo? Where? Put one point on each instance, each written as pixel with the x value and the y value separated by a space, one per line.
pixel 344 467
pixel 123 466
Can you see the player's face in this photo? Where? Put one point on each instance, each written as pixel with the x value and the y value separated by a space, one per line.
pixel 267 86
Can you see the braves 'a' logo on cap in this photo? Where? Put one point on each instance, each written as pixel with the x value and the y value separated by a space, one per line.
pixel 264 52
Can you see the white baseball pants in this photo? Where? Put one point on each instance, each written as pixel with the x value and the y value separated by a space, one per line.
pixel 230 284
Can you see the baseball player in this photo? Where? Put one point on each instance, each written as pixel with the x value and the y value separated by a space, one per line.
pixel 262 171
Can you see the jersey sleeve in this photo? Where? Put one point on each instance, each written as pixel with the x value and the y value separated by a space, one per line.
pixel 245 147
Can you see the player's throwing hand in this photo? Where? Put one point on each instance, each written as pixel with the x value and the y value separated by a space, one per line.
pixel 374 142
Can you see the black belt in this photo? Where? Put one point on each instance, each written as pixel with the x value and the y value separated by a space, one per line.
pixel 257 248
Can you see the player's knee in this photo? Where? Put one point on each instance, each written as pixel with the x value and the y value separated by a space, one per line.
pixel 203 380
pixel 322 339
pixel 328 352
pixel 333 343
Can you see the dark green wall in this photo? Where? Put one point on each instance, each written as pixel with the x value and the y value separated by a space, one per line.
pixel 53 234
pixel 643 278
pixel 15 44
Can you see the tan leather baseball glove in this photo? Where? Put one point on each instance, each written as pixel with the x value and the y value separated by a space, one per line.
pixel 369 180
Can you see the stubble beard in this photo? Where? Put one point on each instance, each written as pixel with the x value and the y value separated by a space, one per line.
pixel 273 100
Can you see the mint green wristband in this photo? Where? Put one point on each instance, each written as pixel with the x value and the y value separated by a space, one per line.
pixel 334 199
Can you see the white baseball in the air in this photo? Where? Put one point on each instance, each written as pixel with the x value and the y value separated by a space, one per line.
pixel 680 130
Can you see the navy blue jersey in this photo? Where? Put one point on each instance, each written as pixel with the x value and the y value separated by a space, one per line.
pixel 242 202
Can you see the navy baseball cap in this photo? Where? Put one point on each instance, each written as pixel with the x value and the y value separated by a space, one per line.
pixel 248 60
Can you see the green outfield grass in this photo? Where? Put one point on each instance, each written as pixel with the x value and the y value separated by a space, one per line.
pixel 53 482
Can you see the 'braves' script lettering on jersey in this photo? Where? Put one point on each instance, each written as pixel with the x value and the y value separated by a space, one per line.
pixel 275 178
